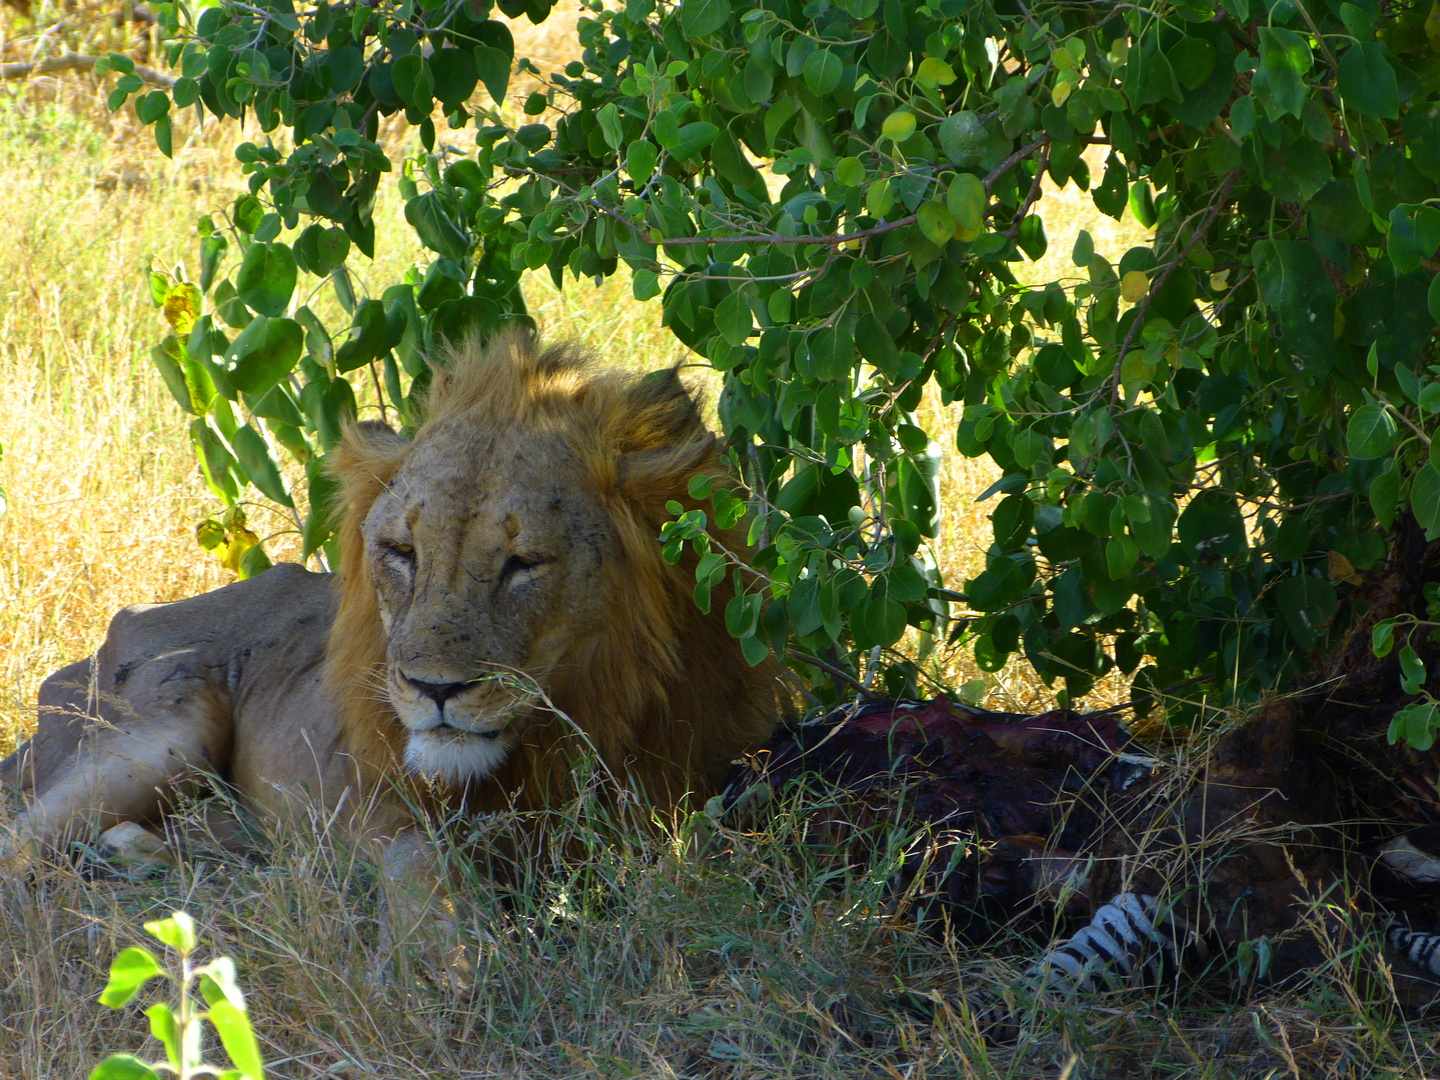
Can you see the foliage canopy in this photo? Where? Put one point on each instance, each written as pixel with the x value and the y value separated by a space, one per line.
pixel 1203 444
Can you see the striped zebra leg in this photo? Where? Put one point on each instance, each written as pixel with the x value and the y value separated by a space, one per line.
pixel 1126 944
pixel 1422 950
pixel 1127 940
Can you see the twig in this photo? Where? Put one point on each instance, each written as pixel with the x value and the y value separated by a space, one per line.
pixel 1034 194
pixel 379 394
pixel 830 669
pixel 1159 283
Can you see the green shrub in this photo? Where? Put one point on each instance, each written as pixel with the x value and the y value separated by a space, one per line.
pixel 1197 440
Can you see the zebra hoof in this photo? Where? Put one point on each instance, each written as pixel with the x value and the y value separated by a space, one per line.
pixel 1408 864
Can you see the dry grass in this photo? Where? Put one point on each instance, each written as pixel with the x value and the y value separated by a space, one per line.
pixel 645 961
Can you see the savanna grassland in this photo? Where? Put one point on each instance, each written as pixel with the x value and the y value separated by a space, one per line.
pixel 720 954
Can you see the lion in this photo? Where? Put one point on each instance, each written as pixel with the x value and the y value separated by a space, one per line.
pixel 502 607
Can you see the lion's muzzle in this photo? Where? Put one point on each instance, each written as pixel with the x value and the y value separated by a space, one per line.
pixel 457 731
pixel 441 694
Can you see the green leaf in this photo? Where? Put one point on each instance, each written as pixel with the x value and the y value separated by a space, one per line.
pixel 936 222
pixel 455 76
pixel 248 213
pixel 1425 500
pixel 964 139
pixel 123 1067
pixel 1121 554
pixel 414 82
pixel 1412 671
pixel 264 353
pixel 278 405
pixel 1371 433
pixel 1285 59
pixel 640 158
pixel 1337 209
pixel 850 172
pixel 254 455
pixel 212 254
pixel 898 126
pixel 493 66
pixel 1294 283
pixel 178 932
pixel 701 18
pixel 1012 521
pixel 934 72
pixel 610 126
pixel 733 319
pixel 267 278
pixel 233 1026
pixel 879 197
pixel 694 138
pixel 169 358
pixel 1212 525
pixel 164 136
pixel 884 619
pixel 322 250
pixel 876 345
pixel 152 106
pixel 1418 724
pixel 666 129
pixel 162 1026
pixel 1367 81
pixel 129 971
pixel 426 213
pixel 1193 59
pixel 966 200
pixel 645 284
pixel 822 71
pixel 1384 495
pixel 1382 638
pixel 323 494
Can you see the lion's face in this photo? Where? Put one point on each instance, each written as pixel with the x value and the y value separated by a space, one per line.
pixel 487 561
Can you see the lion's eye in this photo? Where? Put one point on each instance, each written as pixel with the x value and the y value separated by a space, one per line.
pixel 398 551
pixel 516 563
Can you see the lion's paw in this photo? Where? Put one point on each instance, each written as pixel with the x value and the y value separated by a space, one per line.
pixel 432 944
pixel 133 850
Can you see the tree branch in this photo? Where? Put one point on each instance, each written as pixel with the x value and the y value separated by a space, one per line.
pixel 836 239
pixel 79 62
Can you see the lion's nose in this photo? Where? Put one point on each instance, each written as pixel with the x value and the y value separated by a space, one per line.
pixel 437 692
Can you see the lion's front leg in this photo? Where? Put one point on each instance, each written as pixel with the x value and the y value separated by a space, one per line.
pixel 419 913
pixel 121 763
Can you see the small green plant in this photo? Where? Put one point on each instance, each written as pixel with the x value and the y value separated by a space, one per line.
pixel 180 1028
pixel 1417 723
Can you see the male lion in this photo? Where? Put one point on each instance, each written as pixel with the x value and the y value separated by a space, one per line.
pixel 502 607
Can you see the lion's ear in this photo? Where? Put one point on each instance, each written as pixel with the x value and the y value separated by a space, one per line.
pixel 365 461
pixel 657 476
pixel 657 412
pixel 661 439
pixel 367 457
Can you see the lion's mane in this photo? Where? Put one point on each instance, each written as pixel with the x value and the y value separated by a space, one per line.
pixel 662 693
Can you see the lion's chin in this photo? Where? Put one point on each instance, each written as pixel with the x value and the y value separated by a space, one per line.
pixel 452 756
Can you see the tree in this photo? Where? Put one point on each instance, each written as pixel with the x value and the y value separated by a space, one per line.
pixel 1204 446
